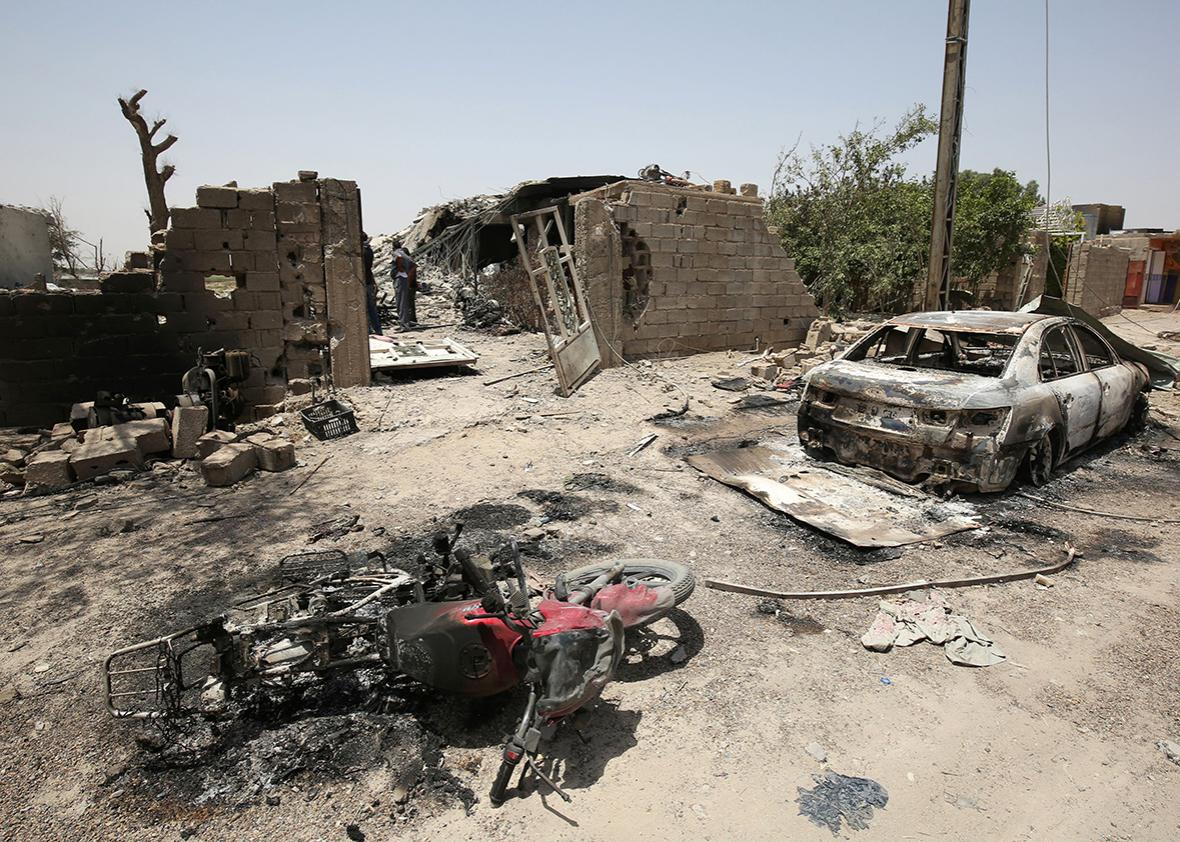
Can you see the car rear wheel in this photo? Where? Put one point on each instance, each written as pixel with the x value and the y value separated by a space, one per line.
pixel 1039 461
pixel 1137 423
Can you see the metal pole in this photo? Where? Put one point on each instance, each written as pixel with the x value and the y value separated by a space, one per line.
pixel 946 177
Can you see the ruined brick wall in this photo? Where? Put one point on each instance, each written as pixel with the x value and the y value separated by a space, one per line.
pixel 1096 278
pixel 689 271
pixel 242 269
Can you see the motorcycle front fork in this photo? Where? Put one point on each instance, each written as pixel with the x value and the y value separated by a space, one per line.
pixel 522 745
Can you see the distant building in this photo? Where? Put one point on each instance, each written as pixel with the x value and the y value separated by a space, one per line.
pixel 1101 219
pixel 24 247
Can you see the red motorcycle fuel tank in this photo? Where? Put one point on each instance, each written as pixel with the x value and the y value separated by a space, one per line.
pixel 436 644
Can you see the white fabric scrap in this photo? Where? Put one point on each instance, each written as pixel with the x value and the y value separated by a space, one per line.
pixel 910 621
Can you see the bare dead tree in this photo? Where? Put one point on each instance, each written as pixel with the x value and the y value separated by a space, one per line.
pixel 63 240
pixel 154 176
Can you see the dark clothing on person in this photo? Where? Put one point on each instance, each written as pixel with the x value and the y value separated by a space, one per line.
pixel 371 288
pixel 405 282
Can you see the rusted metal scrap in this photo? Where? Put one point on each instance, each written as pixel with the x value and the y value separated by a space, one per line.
pixel 1071 553
pixel 862 513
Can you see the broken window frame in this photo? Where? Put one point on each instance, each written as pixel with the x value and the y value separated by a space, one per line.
pixel 1071 346
pixel 915 335
pixel 1081 332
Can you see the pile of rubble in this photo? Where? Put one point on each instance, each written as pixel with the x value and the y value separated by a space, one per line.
pixel 826 339
pixel 83 449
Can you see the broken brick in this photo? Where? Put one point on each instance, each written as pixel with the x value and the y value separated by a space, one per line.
pixel 48 469
pixel 189 423
pixel 273 453
pixel 229 464
pixel 101 456
pixel 213 441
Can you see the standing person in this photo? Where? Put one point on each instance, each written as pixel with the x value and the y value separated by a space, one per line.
pixel 370 286
pixel 405 280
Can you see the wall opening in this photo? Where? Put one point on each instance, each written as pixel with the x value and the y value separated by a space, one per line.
pixel 636 272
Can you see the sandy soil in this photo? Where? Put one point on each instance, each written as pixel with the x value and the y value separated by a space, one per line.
pixel 1059 742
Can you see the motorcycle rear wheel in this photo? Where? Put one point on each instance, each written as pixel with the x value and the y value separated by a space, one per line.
pixel 652 572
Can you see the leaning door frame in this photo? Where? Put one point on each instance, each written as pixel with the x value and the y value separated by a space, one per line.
pixel 565 310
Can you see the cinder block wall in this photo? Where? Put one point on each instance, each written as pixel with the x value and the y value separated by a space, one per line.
pixel 686 271
pixel 1096 278
pixel 242 269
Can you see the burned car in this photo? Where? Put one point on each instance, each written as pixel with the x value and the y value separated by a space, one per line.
pixel 967 399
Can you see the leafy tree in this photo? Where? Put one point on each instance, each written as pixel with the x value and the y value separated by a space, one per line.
pixel 856 226
pixel 992 217
pixel 859 228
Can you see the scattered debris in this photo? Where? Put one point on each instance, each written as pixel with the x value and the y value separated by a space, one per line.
pixel 644 442
pixel 389 354
pixel 1066 507
pixel 539 368
pixel 1170 749
pixel 817 752
pixel 1071 553
pixel 840 798
pixel 910 621
pixel 856 511
pixel 335 528
pixel 732 384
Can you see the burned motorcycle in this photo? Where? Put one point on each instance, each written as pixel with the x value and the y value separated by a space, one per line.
pixel 463 624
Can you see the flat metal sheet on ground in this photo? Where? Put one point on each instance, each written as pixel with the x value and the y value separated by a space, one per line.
pixel 866 512
pixel 386 353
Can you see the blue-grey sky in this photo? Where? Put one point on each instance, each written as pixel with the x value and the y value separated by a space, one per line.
pixel 427 101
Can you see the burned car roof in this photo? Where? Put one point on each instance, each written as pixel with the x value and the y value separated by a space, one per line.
pixel 983 321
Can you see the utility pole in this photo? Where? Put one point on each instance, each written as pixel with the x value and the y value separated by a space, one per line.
pixel 946 176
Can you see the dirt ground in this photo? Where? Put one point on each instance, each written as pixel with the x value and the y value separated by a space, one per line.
pixel 1058 742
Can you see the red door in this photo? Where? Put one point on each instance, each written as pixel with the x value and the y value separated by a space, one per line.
pixel 1134 286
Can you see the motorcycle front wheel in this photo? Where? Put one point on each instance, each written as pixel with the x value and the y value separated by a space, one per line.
pixel 652 572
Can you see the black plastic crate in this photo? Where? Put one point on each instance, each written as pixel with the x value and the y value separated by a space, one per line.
pixel 329 420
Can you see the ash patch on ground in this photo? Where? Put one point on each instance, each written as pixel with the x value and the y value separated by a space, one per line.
pixel 556 505
pixel 773 609
pixel 599 482
pixel 1123 544
pixel 290 743
pixel 492 516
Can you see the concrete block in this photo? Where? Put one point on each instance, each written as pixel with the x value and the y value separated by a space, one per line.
pixel 296 191
pixel 272 452
pixel 262 281
pixel 766 372
pixel 97 457
pixel 148 435
pixel 749 189
pixel 260 240
pixel 819 333
pixel 48 469
pixel 195 218
pixel 256 200
pixel 189 423
pixel 213 441
pixel 214 239
pixel 209 196
pixel 229 464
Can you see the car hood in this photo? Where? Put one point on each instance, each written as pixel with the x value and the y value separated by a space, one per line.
pixel 912 387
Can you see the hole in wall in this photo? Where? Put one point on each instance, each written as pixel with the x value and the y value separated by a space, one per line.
pixel 786 321
pixel 161 319
pixel 636 273
pixel 297 311
pixel 221 285
pixel 681 205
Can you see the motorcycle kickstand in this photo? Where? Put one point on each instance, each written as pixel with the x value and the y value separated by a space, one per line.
pixel 532 764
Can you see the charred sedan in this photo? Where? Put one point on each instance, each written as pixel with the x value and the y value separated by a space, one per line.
pixel 966 399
